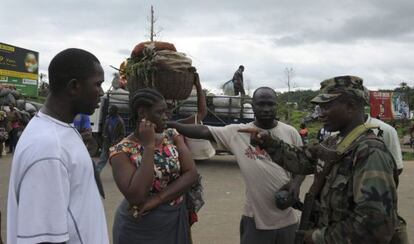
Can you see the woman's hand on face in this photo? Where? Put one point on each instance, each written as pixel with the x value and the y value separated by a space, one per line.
pixel 147 133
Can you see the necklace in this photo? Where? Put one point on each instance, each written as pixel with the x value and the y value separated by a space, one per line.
pixel 49 112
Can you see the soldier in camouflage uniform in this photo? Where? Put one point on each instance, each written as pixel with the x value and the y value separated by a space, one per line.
pixel 357 201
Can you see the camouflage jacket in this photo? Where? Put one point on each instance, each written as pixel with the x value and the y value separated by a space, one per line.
pixel 358 201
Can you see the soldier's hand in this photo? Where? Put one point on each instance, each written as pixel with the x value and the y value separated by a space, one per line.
pixel 257 136
pixel 293 187
pixel 307 236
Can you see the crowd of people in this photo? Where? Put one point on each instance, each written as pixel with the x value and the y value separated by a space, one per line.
pixel 11 126
pixel 54 194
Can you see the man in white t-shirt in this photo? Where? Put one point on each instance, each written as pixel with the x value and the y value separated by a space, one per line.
pixel 53 197
pixel 388 134
pixel 262 222
pixel 390 137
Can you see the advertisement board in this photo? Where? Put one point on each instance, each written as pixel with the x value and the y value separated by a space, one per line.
pixel 389 105
pixel 19 67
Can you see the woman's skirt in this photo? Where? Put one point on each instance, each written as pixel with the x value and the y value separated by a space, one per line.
pixel 164 225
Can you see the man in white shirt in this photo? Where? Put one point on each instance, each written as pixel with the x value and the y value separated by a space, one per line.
pixel 262 222
pixel 53 197
pixel 390 137
pixel 388 134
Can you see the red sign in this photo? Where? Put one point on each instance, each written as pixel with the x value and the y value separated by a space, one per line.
pixel 381 104
pixel 388 105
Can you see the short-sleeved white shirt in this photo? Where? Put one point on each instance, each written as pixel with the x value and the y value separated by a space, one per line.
pixel 263 177
pixel 53 195
pixel 390 138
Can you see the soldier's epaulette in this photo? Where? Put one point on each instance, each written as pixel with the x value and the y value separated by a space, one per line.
pixel 372 141
pixel 349 141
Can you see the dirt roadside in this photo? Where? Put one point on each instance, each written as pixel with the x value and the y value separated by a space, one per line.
pixel 224 195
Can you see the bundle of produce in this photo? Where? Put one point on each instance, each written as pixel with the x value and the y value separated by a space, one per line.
pixel 119 97
pixel 23 105
pixel 158 65
pixel 138 50
pixel 8 95
pixel 122 76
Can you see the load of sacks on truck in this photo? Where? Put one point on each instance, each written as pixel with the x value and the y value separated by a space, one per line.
pixel 9 95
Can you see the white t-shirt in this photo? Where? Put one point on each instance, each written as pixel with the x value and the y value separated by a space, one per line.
pixel 390 138
pixel 53 195
pixel 263 177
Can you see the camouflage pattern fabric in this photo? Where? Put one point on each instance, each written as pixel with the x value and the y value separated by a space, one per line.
pixel 358 202
pixel 332 88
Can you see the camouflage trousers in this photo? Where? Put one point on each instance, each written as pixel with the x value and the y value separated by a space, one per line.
pixel 400 236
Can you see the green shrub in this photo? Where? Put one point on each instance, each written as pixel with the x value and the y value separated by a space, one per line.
pixel 408 156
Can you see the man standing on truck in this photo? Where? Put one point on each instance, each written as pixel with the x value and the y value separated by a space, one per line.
pixel 262 221
pixel 238 81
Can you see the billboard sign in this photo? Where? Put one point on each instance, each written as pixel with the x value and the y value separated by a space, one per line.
pixel 19 67
pixel 389 105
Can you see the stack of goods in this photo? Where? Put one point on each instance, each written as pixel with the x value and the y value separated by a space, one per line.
pixel 122 76
pixel 119 80
pixel 227 106
pixel 158 65
pixel 189 106
pixel 8 94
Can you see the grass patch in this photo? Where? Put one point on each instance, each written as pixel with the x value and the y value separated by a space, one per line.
pixel 37 99
pixel 297 117
pixel 408 156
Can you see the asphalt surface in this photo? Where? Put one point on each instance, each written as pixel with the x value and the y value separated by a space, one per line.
pixel 224 195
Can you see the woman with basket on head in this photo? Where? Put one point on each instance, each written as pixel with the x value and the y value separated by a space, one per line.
pixel 153 169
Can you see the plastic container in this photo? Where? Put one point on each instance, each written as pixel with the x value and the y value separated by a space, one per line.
pixel 227 101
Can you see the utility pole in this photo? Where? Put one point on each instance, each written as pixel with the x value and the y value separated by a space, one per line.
pixel 289 74
pixel 153 32
pixel 152 24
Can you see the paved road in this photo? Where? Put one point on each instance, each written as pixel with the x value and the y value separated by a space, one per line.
pixel 224 194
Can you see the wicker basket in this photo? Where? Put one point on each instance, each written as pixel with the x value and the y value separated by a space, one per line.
pixel 171 84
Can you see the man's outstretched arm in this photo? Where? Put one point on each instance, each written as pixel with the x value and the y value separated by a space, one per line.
pixel 192 131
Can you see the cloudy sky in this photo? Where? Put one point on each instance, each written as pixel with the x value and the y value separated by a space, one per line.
pixel 317 39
